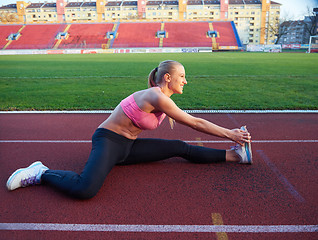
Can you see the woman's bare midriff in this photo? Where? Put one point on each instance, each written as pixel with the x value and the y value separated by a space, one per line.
pixel 119 123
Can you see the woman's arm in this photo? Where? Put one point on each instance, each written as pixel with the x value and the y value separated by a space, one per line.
pixel 166 105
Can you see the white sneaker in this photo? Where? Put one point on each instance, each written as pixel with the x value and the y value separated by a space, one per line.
pixel 244 152
pixel 24 177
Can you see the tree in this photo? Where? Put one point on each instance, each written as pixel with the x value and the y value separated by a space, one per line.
pixel 278 27
pixel 8 17
pixel 311 21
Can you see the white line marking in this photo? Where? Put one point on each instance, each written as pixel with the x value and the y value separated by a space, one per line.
pixel 188 141
pixel 290 188
pixel 188 111
pixel 159 228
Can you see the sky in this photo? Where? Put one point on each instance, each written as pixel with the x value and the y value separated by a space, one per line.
pixel 295 9
pixel 290 9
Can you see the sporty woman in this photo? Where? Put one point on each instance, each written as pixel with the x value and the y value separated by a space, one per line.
pixel 115 140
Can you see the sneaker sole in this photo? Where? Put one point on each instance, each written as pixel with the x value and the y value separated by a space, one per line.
pixel 13 175
pixel 248 153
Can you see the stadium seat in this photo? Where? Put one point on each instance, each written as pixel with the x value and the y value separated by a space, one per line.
pixel 86 36
pixel 187 34
pixel 39 36
pixel 226 34
pixel 5 31
pixel 137 35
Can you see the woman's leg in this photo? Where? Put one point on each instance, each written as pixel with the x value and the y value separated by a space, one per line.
pixel 150 150
pixel 105 153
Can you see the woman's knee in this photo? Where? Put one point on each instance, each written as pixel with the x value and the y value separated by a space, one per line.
pixel 85 191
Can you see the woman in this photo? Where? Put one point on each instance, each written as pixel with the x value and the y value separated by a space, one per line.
pixel 115 140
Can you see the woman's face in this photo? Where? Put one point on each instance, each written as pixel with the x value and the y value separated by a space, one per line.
pixel 177 79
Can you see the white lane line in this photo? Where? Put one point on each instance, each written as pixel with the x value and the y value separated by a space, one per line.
pixel 159 228
pixel 188 141
pixel 289 187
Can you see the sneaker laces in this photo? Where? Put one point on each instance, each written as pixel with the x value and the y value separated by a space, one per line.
pixel 31 180
pixel 234 147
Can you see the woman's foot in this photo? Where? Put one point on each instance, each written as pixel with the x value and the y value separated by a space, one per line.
pixel 24 177
pixel 244 153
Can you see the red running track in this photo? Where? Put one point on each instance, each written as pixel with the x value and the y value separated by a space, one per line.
pixel 278 192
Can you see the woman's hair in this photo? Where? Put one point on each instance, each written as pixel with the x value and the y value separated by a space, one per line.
pixel 156 75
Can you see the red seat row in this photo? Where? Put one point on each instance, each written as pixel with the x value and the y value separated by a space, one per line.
pixel 128 35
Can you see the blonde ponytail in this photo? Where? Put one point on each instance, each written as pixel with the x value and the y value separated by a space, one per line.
pixel 152 77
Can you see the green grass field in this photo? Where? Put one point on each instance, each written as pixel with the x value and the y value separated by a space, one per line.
pixel 215 80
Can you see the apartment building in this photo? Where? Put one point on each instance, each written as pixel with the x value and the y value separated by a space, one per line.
pixel 253 18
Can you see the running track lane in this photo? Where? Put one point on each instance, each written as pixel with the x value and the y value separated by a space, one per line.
pixel 278 191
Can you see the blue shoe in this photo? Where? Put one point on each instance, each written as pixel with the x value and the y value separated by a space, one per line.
pixel 24 177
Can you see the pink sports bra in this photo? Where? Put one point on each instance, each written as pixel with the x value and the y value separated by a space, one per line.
pixel 141 119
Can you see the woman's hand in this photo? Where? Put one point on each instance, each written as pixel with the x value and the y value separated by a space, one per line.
pixel 240 136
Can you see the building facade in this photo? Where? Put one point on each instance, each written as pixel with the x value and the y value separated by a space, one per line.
pixel 294 32
pixel 253 18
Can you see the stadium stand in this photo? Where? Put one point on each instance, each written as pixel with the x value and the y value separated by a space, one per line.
pixel 86 36
pixel 187 34
pixel 5 31
pixel 40 36
pixel 226 33
pixel 137 35
pixel 215 34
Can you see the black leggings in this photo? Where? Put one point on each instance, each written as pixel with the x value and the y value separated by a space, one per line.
pixel 109 149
